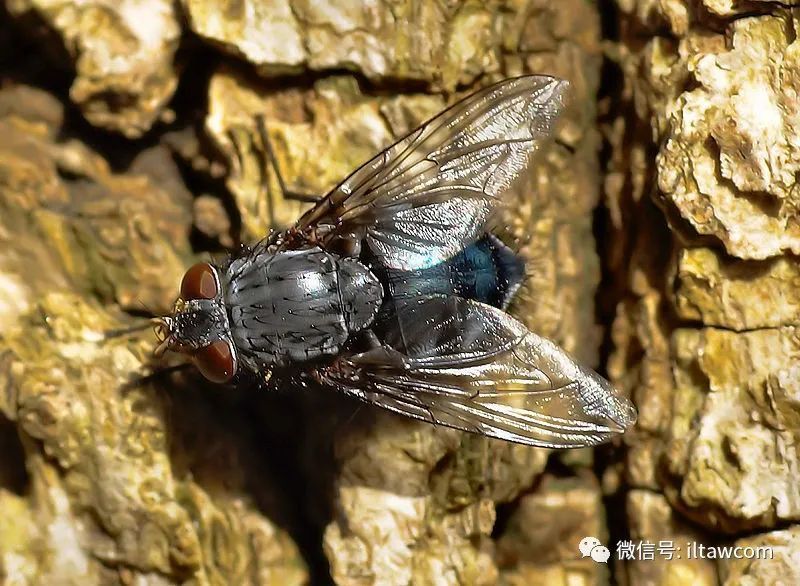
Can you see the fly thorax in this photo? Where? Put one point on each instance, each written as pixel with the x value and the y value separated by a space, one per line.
pixel 289 306
pixel 199 323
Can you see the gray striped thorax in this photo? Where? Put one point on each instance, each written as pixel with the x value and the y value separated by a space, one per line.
pixel 297 305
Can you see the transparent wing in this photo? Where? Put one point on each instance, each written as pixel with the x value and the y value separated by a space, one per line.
pixel 422 199
pixel 466 365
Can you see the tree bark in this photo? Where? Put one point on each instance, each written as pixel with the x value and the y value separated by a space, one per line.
pixel 129 149
pixel 703 164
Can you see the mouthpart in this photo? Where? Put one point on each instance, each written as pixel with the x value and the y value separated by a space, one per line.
pixel 163 331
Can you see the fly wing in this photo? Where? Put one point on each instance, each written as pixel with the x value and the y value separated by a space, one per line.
pixel 424 198
pixel 462 364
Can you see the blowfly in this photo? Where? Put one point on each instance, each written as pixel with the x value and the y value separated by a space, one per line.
pixel 390 289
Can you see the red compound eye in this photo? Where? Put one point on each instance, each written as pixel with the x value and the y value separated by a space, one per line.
pixel 199 282
pixel 216 362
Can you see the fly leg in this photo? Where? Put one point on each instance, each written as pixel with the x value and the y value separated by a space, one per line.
pixel 273 162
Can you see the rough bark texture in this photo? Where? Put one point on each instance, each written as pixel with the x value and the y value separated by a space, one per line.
pixel 175 480
pixel 129 148
pixel 702 192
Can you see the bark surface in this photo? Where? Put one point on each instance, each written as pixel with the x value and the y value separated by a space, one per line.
pixel 129 150
pixel 702 193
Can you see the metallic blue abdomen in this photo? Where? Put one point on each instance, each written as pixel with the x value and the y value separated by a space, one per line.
pixel 486 271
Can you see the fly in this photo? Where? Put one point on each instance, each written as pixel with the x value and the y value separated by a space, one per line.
pixel 391 290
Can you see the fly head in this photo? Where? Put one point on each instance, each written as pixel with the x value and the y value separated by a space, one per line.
pixel 199 325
